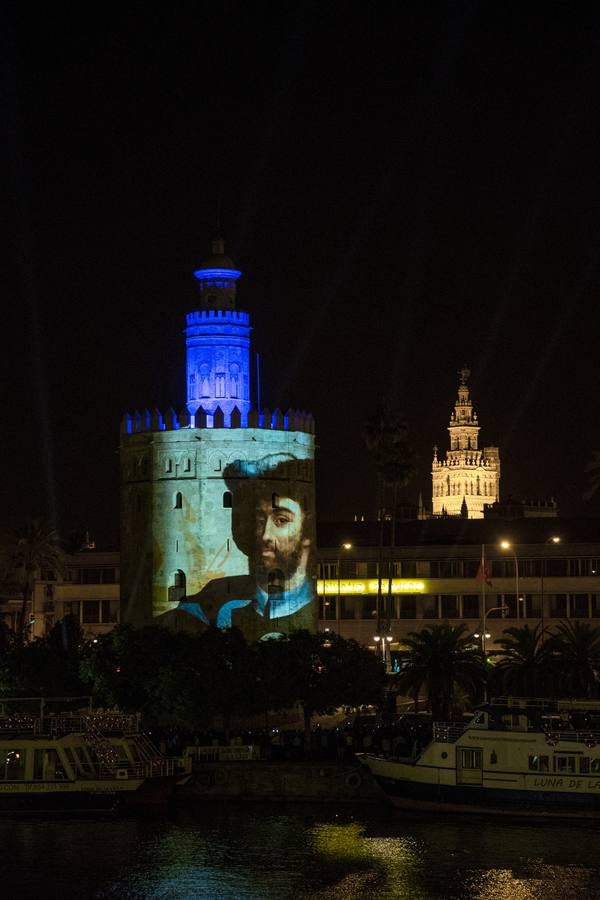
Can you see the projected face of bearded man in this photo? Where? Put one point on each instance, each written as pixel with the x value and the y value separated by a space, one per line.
pixel 280 546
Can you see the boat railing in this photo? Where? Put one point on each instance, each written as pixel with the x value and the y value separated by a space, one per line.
pixel 106 722
pixel 160 766
pixel 589 738
pixel 222 753
pixel 448 732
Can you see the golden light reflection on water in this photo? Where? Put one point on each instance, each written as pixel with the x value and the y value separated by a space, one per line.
pixel 409 868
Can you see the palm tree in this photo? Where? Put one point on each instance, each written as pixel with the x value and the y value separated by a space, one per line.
pixel 576 646
pixel 385 435
pixel 32 547
pixel 441 660
pixel 593 470
pixel 524 668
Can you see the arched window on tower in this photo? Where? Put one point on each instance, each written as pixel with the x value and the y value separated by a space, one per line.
pixel 276 582
pixel 176 589
pixel 220 385
pixel 227 500
pixel 178 501
pixel 234 381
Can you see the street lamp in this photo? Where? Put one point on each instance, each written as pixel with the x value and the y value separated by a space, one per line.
pixel 384 641
pixel 553 539
pixel 345 546
pixel 506 545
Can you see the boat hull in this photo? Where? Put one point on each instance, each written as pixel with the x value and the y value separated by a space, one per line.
pixel 491 801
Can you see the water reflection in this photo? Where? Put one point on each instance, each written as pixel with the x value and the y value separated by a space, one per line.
pixel 249 851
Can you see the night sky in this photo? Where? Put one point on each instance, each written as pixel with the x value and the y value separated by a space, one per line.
pixel 407 189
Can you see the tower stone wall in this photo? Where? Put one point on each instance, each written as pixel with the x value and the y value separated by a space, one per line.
pixel 218 501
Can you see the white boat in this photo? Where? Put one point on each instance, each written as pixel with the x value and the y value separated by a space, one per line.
pixel 516 756
pixel 97 760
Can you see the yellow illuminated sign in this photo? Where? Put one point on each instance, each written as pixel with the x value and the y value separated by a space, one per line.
pixel 352 586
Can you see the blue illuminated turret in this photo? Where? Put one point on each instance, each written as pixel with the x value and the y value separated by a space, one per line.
pixel 218 342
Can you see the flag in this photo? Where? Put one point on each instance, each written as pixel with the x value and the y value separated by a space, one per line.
pixel 484 573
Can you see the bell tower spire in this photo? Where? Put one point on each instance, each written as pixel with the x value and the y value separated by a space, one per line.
pixel 469 478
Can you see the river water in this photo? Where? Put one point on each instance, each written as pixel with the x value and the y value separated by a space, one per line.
pixel 240 850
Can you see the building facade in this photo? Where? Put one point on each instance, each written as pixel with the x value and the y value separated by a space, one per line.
pixel 89 591
pixel 468 478
pixel 535 571
pixel 217 502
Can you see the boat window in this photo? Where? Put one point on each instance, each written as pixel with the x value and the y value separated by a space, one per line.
pixel 13 768
pixel 71 760
pixel 471 759
pixel 584 765
pixel 47 766
pixel 538 764
pixel 84 763
pixel 564 764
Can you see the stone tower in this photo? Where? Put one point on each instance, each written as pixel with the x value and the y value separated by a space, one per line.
pixel 218 501
pixel 468 477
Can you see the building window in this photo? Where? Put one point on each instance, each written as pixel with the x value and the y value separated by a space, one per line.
pixel 71 608
pixel 449 606
pixel 408 606
pixel 219 385
pixel 227 500
pixel 533 606
pixel 471 606
pixel 579 606
pixel 558 606
pixel 91 576
pixel 90 612
pixel 178 504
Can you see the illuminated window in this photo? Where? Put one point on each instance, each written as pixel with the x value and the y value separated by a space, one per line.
pixel 219 385
pixel 227 500
pixel 178 501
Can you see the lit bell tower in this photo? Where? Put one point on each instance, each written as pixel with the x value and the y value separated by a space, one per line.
pixel 469 478
pixel 218 343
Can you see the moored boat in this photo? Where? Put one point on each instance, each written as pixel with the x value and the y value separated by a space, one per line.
pixel 79 760
pixel 516 756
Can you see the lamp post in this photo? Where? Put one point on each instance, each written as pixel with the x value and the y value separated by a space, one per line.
pixel 345 546
pixel 485 635
pixel 506 545
pixel 554 539
pixel 384 641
